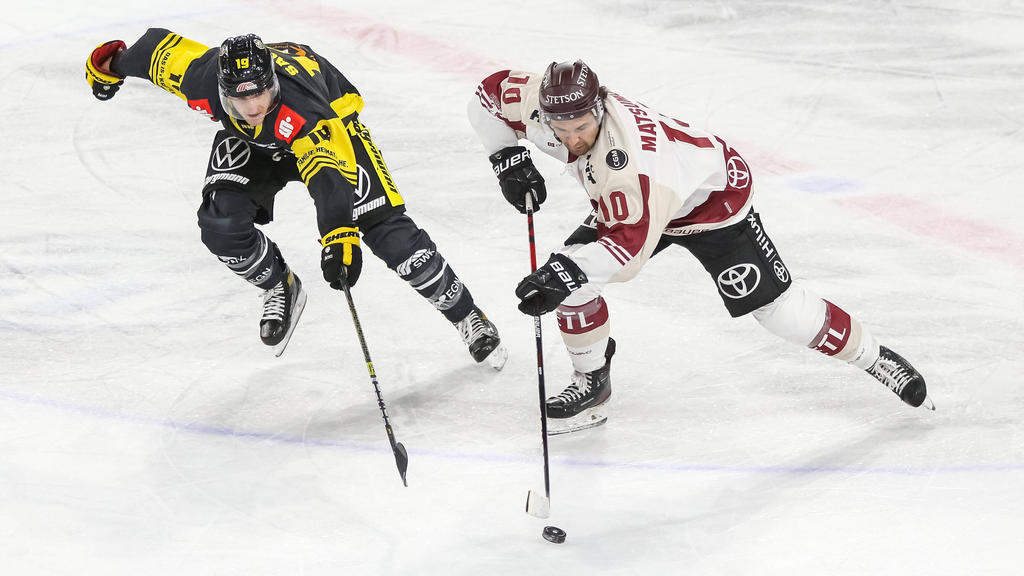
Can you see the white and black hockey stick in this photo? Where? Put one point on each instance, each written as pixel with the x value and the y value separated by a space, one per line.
pixel 401 456
pixel 537 505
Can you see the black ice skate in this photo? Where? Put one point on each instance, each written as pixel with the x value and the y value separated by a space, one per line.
pixel 895 372
pixel 282 308
pixel 582 404
pixel 482 338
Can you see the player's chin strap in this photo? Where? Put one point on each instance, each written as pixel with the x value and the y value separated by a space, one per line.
pixel 537 505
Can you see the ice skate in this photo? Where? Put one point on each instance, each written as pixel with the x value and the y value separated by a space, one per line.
pixel 583 404
pixel 895 372
pixel 482 338
pixel 282 308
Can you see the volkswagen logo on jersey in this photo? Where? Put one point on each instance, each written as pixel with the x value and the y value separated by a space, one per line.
pixel 232 153
pixel 739 281
pixel 616 159
pixel 363 186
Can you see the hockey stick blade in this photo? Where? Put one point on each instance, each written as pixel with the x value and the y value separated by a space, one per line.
pixel 537 505
pixel 402 460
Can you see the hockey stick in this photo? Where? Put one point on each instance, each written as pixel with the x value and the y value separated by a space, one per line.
pixel 537 505
pixel 401 456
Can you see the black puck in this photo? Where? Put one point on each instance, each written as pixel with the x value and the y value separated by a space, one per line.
pixel 554 534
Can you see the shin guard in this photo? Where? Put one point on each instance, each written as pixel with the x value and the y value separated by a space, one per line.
pixel 263 267
pixel 429 274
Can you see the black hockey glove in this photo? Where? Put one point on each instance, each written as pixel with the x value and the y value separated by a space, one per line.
pixel 518 177
pixel 341 259
pixel 586 233
pixel 104 83
pixel 542 291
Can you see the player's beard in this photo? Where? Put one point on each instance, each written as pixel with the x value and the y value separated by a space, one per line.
pixel 581 148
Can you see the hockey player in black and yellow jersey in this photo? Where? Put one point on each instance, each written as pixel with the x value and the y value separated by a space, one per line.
pixel 287 114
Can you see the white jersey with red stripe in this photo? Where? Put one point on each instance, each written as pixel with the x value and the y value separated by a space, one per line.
pixel 647 174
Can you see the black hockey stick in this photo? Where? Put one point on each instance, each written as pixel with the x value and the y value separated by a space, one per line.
pixel 536 505
pixel 401 456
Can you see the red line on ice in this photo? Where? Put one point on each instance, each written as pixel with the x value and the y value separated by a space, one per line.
pixel 931 221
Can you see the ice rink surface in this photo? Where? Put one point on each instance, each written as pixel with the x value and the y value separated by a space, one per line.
pixel 145 430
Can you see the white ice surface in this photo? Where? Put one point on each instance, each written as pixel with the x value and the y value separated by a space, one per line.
pixel 144 429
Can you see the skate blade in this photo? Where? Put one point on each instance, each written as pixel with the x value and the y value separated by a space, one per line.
pixel 589 418
pixel 300 304
pixel 928 404
pixel 498 357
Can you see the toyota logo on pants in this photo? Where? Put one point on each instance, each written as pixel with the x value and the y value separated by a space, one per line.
pixel 739 281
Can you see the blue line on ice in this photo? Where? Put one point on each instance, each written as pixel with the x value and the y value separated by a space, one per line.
pixel 382 447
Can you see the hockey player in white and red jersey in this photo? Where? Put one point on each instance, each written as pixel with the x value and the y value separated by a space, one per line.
pixel 653 182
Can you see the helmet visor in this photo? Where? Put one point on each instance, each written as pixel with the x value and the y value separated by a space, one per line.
pixel 246 102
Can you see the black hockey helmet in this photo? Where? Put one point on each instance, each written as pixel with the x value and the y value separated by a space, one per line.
pixel 570 90
pixel 246 68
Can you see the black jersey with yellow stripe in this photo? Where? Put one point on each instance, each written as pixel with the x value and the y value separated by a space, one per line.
pixel 313 121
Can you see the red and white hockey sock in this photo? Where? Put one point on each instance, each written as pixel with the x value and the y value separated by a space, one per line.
pixel 803 318
pixel 843 336
pixel 585 329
